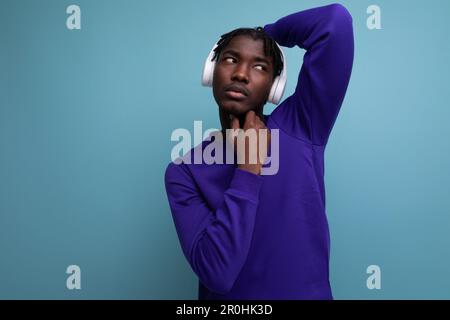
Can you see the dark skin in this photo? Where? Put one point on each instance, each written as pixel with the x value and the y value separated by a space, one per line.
pixel 247 72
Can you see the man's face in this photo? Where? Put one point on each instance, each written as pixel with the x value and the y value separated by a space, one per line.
pixel 243 76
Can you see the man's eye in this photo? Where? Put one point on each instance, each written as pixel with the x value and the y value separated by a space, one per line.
pixel 229 59
pixel 260 67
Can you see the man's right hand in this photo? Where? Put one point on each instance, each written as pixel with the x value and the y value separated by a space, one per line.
pixel 252 146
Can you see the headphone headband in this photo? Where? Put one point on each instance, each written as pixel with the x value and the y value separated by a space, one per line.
pixel 278 86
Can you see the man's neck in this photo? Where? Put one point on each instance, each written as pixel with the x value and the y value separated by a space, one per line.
pixel 225 118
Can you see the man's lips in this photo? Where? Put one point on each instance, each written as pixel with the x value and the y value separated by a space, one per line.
pixel 235 95
pixel 235 91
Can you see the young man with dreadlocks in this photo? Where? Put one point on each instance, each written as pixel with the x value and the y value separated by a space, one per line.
pixel 253 236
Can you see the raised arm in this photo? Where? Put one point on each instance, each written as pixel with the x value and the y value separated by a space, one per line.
pixel 326 33
pixel 215 243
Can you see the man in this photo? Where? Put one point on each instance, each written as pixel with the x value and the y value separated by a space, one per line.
pixel 253 236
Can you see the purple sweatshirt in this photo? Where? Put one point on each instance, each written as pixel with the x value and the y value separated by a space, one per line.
pixel 266 237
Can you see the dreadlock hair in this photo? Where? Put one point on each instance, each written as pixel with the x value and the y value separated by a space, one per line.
pixel 270 47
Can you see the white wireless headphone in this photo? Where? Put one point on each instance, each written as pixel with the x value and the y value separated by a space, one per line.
pixel 279 84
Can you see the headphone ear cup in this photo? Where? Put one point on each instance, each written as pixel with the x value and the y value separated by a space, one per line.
pixel 279 84
pixel 277 90
pixel 273 90
pixel 208 69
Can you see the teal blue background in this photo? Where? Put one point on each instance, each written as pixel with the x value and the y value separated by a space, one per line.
pixel 85 123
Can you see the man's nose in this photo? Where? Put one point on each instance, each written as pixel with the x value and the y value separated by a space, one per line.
pixel 240 74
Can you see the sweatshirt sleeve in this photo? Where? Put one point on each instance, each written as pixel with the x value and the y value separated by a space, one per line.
pixel 326 33
pixel 215 243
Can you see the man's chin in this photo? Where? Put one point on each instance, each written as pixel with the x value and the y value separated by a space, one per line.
pixel 233 109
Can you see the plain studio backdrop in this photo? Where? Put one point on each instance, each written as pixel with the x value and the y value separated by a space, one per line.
pixel 86 118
